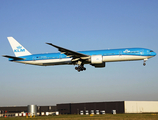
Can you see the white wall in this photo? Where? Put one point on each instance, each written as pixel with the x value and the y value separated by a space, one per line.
pixel 141 106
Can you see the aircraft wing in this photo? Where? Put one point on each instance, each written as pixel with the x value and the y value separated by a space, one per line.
pixel 12 57
pixel 70 53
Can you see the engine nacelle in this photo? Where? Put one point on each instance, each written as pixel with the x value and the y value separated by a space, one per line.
pixel 99 65
pixel 96 59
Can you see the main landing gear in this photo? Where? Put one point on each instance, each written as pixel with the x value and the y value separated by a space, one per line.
pixel 80 66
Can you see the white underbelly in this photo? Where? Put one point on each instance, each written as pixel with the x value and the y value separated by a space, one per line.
pixel 123 58
pixel 48 62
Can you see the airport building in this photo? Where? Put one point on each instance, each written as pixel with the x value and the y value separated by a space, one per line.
pixel 109 107
pixel 22 110
pixel 86 108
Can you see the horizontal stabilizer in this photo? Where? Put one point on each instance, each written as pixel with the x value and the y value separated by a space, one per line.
pixel 15 58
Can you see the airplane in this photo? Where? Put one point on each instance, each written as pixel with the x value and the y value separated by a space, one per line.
pixel 96 58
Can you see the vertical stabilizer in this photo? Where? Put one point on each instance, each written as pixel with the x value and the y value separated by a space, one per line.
pixel 18 49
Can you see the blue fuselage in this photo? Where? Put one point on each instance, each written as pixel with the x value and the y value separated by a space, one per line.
pixel 109 55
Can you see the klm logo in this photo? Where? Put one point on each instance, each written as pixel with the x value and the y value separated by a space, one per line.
pixel 127 51
pixel 19 49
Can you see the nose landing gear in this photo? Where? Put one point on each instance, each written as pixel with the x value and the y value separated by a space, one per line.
pixel 145 61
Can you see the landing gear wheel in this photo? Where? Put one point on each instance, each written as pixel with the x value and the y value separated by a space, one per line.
pixel 144 64
pixel 80 68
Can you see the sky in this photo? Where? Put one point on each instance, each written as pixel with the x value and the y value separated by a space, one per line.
pixel 78 25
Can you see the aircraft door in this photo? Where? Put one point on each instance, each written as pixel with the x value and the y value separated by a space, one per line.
pixel 60 56
pixel 142 52
pixel 34 58
pixel 120 52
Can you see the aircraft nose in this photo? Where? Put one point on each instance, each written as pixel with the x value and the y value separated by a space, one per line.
pixel 154 53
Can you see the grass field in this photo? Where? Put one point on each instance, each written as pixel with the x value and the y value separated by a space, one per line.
pixel 88 117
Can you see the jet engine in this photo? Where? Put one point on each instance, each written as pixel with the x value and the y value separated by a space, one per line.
pixel 99 65
pixel 96 59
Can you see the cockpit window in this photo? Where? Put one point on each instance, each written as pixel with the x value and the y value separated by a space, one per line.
pixel 151 51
